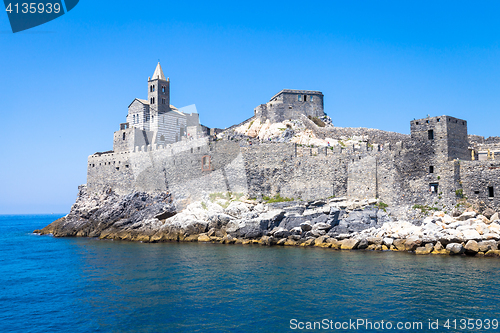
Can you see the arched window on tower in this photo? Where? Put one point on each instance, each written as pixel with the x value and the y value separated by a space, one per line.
pixel 151 100
pixel 153 87
pixel 163 89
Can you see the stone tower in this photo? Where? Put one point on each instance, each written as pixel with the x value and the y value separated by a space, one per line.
pixel 158 92
pixel 291 104
pixel 446 135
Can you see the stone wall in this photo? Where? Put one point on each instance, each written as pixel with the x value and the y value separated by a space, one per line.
pixel 291 104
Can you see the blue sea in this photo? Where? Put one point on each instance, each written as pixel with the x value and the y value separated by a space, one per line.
pixel 88 285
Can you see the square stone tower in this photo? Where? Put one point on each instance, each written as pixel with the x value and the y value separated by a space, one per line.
pixel 291 104
pixel 448 136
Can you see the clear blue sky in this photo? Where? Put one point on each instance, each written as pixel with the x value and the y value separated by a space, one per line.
pixel 65 86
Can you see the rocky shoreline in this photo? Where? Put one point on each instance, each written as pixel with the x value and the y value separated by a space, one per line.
pixel 336 223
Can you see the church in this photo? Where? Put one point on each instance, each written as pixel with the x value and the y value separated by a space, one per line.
pixel 154 121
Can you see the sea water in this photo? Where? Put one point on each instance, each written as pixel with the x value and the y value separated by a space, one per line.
pixel 50 284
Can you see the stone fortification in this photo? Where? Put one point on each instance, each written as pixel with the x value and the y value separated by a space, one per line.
pixel 291 104
pixel 287 176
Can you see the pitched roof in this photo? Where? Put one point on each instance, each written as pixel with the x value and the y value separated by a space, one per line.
pixel 143 101
pixel 158 74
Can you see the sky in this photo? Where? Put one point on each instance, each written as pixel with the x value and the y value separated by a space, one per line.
pixel 65 85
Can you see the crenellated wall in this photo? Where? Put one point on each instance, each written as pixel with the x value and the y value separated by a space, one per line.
pixel 419 170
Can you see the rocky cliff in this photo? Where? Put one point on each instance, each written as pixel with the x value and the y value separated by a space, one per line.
pixel 335 223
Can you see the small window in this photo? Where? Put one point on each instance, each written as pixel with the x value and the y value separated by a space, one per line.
pixel 463 122
pixel 153 87
pixel 430 134
pixel 438 120
pixel 124 133
pixel 289 107
pixel 491 192
pixel 305 98
pixel 433 188
pixel 163 89
pixel 431 169
pixel 417 122
pixel 310 98
pixel 299 98
pixel 476 192
pixel 191 150
pixel 427 121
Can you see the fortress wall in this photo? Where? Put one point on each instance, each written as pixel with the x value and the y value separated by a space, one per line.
pixel 175 167
pixel 398 174
pixel 477 177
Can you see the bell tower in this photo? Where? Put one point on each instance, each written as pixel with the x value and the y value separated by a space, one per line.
pixel 158 92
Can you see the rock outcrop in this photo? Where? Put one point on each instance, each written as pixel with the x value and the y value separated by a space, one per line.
pixel 335 223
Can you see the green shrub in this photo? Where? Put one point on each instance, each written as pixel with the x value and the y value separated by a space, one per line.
pixel 276 198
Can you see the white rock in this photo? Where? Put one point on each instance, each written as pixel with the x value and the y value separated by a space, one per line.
pixel 237 208
pixel 466 216
pixel 471 235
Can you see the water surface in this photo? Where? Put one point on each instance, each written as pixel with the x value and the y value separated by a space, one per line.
pixel 89 285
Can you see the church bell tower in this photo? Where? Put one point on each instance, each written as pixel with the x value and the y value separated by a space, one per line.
pixel 158 92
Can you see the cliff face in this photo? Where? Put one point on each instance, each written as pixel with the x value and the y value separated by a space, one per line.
pixel 130 216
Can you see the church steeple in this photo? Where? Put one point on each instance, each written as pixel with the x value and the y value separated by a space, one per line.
pixel 158 74
pixel 159 92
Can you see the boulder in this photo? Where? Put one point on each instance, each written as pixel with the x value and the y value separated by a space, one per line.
pixel 492 253
pixel 271 218
pixel 470 234
pixel 494 217
pixel 427 249
pixel 281 241
pixel 294 210
pixel 322 226
pixel 204 238
pixel 471 248
pixel 487 245
pixel 467 215
pixel 218 220
pixel 306 226
pixel 320 240
pixel 455 248
pixel 309 242
pixel 375 240
pixel 363 244
pixel 488 213
pixel 291 222
pixel 281 233
pixel 400 244
pixel 349 244
pixel 388 241
pixel 412 243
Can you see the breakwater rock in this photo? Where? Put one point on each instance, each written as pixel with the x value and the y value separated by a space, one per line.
pixel 335 223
